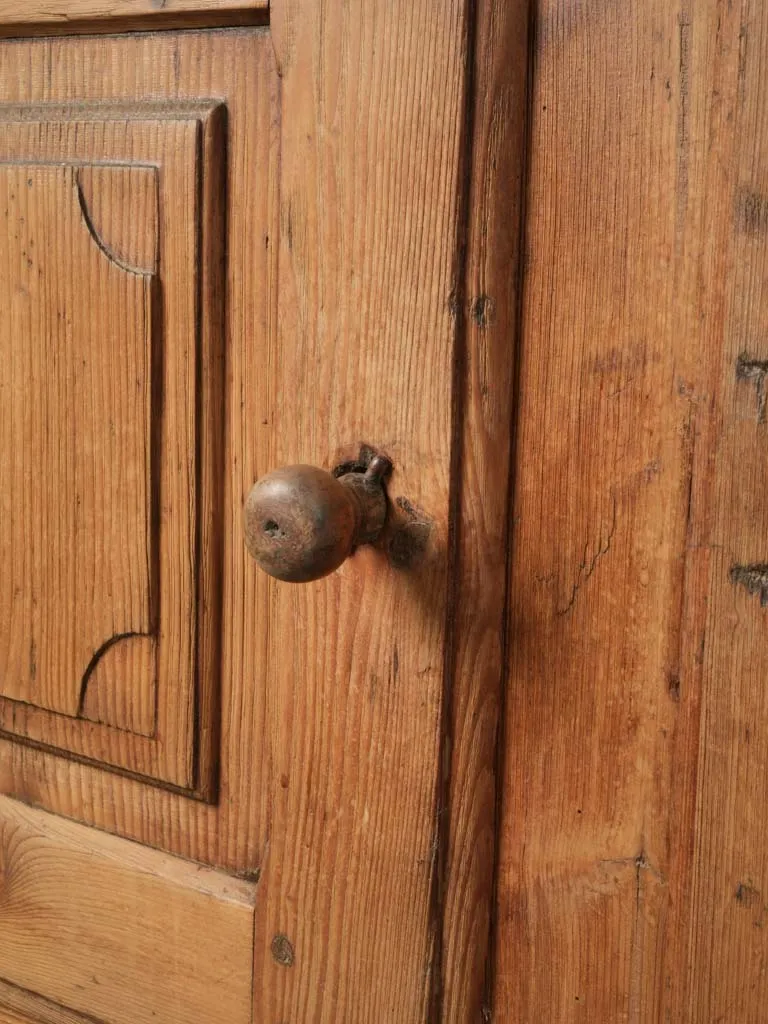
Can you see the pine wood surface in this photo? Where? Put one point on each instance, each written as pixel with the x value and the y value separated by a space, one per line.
pixel 365 333
pixel 633 861
pixel 66 14
pixel 163 72
pixel 350 309
pixel 9 1017
pixel 25 1007
pixel 120 932
pixel 63 557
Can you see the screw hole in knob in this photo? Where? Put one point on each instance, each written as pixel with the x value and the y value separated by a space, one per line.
pixel 301 522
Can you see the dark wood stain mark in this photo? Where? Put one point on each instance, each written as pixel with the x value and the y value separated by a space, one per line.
pixel 750 211
pixel 684 64
pixel 408 534
pixel 747 895
pixel 483 311
pixel 249 875
pixel 742 72
pixel 754 370
pixel 673 687
pixel 282 950
pixel 754 578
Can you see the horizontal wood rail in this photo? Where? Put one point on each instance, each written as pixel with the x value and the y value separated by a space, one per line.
pixel 58 17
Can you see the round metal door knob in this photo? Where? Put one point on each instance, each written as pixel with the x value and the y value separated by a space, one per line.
pixel 301 522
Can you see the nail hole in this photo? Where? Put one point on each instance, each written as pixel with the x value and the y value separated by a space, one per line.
pixel 271 527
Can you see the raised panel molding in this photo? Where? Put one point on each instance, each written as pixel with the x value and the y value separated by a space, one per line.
pixel 111 433
pixel 35 17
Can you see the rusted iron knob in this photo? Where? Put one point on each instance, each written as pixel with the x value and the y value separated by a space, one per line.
pixel 301 522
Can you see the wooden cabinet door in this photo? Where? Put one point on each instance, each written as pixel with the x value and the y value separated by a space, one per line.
pixel 236 237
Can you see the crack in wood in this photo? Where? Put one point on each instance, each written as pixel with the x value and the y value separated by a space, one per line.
pixel 588 566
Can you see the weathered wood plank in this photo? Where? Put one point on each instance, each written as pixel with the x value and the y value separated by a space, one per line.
pixel 24 1007
pixel 117 931
pixel 598 517
pixel 487 314
pixel 727 882
pixel 635 719
pixel 372 132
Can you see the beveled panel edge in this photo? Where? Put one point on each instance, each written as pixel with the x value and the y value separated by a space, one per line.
pixel 19 1006
pixel 89 16
pixel 107 110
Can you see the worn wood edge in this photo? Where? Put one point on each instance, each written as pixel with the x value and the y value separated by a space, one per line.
pixel 488 306
pixel 528 40
pixel 110 110
pixel 67 11
pixel 19 1006
pixel 161 22
pixel 177 871
pixel 210 359
pixel 439 912
pixel 27 22
pixel 145 882
pixel 90 761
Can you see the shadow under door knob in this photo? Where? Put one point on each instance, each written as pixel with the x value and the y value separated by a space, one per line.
pixel 301 522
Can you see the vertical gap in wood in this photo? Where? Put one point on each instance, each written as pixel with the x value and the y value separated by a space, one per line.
pixel 517 342
pixel 197 681
pixel 217 418
pixel 458 403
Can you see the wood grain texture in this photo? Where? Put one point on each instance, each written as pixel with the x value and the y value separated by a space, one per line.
pixel 117 931
pixel 98 80
pixel 345 221
pixel 126 508
pixel 68 13
pixel 30 1008
pixel 77 511
pixel 487 313
pixel 9 1017
pixel 727 882
pixel 122 206
pixel 331 697
pixel 371 134
pixel 632 826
